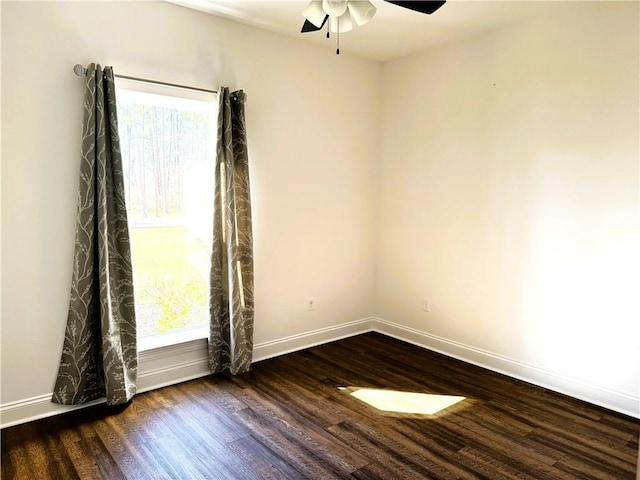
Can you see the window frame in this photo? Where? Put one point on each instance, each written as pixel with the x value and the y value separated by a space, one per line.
pixel 201 331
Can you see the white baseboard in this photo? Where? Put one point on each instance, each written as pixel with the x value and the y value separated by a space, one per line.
pixel 156 368
pixel 173 364
pixel 35 408
pixel 179 363
pixel 616 401
pixel 285 345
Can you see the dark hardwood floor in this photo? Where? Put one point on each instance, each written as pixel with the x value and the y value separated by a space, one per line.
pixel 288 419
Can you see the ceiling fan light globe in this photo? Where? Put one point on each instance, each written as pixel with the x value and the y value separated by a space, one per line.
pixel 343 22
pixel 314 13
pixel 334 8
pixel 361 11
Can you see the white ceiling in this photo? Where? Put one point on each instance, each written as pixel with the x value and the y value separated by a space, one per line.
pixel 392 33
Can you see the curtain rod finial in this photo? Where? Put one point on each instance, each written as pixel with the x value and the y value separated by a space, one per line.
pixel 79 70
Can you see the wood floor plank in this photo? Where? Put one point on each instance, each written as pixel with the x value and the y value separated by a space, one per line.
pixel 83 462
pixel 289 419
pixel 503 443
pixel 194 435
pixel 18 461
pixel 586 469
pixel 170 456
pixel 310 403
pixel 300 456
pixel 60 463
pixel 340 457
pixel 123 451
pixel 382 452
pixel 107 467
pixel 267 464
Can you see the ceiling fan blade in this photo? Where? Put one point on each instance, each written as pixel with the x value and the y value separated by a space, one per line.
pixel 310 27
pixel 422 7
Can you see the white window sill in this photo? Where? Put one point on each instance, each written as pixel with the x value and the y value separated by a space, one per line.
pixel 152 342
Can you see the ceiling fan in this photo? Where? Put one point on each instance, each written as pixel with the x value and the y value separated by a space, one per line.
pixel 343 15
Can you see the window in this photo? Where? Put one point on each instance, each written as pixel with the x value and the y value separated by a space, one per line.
pixel 167 138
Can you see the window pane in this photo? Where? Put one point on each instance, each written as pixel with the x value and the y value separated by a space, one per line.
pixel 168 148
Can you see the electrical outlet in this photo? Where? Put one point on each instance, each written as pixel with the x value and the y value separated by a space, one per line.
pixel 426 304
pixel 311 304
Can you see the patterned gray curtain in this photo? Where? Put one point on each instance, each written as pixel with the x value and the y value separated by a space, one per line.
pixel 99 356
pixel 231 296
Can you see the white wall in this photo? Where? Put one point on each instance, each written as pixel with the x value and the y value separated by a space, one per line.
pixel 311 121
pixel 509 196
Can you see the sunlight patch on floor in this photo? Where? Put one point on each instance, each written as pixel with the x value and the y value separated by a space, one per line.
pixel 403 402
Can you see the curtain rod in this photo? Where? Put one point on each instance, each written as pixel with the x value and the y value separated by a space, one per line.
pixel 81 71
